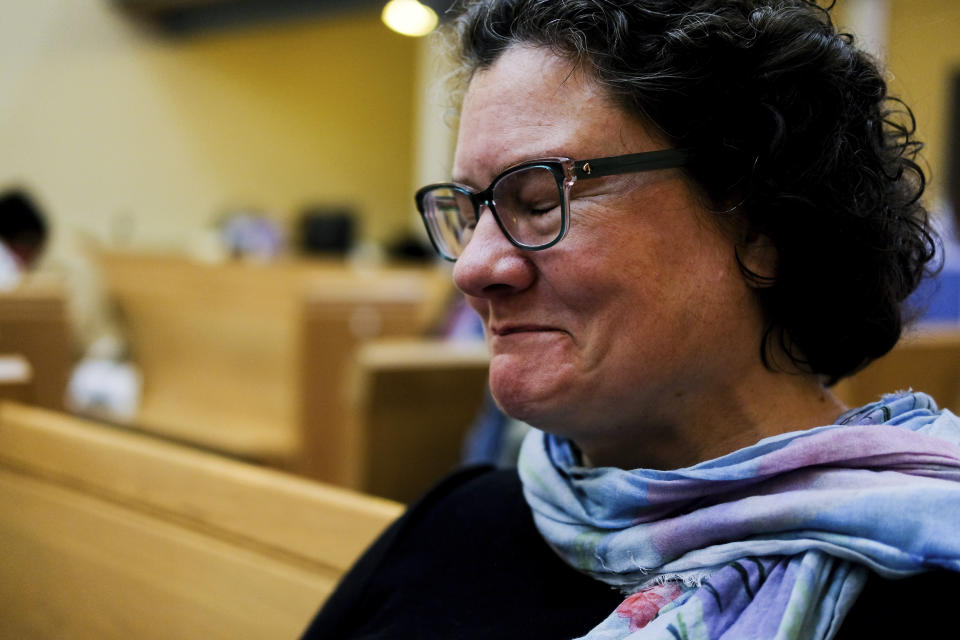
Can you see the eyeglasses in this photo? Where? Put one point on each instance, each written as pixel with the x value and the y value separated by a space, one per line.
pixel 530 201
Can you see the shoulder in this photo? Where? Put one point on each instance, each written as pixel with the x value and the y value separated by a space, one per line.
pixel 480 482
pixel 475 495
pixel 460 508
pixel 909 607
pixel 465 561
pixel 436 542
pixel 479 508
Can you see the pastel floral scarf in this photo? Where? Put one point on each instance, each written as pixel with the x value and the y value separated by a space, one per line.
pixel 773 541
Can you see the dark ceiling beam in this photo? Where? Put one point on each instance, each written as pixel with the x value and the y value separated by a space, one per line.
pixel 191 17
pixel 195 17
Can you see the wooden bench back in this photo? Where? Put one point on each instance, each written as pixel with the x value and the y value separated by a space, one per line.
pixel 111 534
pixel 928 361
pixel 251 359
pixel 34 324
pixel 415 401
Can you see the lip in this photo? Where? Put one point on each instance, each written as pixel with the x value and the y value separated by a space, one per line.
pixel 514 328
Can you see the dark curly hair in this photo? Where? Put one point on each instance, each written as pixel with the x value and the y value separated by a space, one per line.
pixel 793 134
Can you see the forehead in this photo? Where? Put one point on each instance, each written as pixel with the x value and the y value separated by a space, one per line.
pixel 532 103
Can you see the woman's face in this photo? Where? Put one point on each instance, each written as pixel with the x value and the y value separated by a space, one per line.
pixel 640 314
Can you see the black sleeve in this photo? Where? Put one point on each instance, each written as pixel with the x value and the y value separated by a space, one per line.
pixel 920 606
pixel 346 608
pixel 464 562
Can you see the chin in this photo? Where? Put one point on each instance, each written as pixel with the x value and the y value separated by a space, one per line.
pixel 543 411
pixel 517 404
pixel 514 406
pixel 537 393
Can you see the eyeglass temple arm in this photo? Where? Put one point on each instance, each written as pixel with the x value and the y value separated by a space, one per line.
pixel 648 161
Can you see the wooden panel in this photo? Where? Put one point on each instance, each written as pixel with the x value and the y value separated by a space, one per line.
pixel 926 361
pixel 16 378
pixel 415 400
pixel 323 524
pixel 334 328
pixel 215 344
pixel 75 567
pixel 249 359
pixel 107 534
pixel 34 324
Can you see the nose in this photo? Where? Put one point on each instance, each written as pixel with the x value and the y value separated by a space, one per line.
pixel 490 265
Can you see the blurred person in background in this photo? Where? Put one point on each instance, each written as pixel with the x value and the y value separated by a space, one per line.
pixel 23 236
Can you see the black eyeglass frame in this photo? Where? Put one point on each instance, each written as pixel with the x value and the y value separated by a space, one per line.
pixel 567 172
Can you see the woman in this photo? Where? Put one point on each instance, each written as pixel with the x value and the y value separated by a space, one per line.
pixel 680 221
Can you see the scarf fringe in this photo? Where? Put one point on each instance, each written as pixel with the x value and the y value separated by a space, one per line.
pixel 689 579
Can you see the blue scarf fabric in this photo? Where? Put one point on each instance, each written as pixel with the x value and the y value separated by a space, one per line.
pixel 772 541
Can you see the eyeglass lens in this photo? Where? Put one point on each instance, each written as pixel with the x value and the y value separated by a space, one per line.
pixel 450 219
pixel 527 201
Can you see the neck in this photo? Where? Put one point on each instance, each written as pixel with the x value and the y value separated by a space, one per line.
pixel 739 415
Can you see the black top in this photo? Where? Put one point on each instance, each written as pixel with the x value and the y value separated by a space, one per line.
pixel 467 561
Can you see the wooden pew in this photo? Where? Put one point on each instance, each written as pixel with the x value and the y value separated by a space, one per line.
pixel 251 360
pixel 111 534
pixel 927 360
pixel 34 325
pixel 414 401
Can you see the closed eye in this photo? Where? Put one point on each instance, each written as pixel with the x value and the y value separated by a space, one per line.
pixel 543 209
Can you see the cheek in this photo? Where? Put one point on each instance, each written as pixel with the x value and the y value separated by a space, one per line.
pixel 618 272
pixel 658 294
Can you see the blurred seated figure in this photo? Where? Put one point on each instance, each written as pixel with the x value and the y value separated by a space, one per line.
pixel 250 234
pixel 105 384
pixel 23 235
pixel 327 231
pixel 409 248
pixel 937 300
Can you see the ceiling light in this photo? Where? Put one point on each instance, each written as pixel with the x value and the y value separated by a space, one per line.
pixel 409 17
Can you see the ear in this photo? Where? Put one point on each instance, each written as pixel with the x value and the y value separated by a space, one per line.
pixel 757 257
